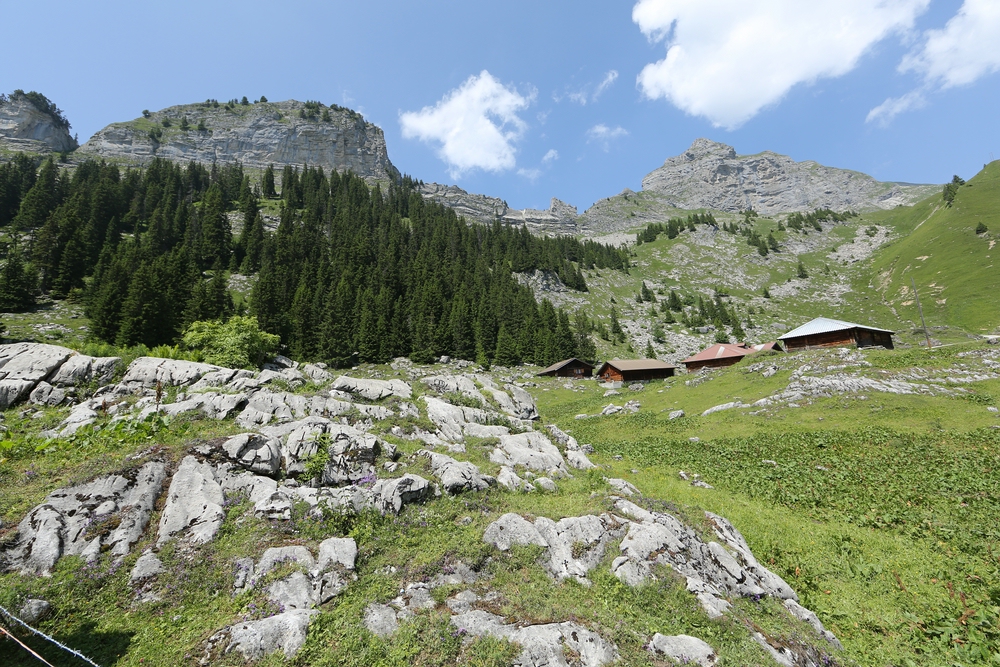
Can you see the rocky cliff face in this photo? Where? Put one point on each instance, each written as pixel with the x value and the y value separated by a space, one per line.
pixel 560 218
pixel 255 135
pixel 24 127
pixel 711 175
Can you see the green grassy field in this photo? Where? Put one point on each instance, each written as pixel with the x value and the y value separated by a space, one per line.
pixel 879 510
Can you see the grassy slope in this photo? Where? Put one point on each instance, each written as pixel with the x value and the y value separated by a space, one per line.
pixel 883 543
pixel 952 266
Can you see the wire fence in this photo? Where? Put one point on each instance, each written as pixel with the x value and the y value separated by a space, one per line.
pixel 44 636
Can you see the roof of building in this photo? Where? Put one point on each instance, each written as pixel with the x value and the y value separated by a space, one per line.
pixel 721 351
pixel 565 362
pixel 822 325
pixel 637 364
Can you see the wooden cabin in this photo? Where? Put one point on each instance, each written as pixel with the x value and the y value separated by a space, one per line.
pixel 721 355
pixel 825 332
pixel 569 368
pixel 635 370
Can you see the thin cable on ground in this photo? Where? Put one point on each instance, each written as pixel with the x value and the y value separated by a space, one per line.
pixel 25 646
pixel 47 638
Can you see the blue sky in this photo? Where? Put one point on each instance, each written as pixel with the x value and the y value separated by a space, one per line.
pixel 576 100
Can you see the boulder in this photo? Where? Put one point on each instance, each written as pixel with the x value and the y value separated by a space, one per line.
pixel 284 632
pixel 455 384
pixel 341 551
pixel 34 610
pixel 389 495
pixel 512 529
pixel 373 390
pixel 684 649
pixel 380 619
pixel 456 476
pixel 524 403
pixel 258 454
pixel 147 567
pixel 531 450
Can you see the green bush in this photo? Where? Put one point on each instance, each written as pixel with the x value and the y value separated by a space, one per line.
pixel 237 343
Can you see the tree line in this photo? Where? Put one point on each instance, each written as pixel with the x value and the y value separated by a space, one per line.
pixel 352 273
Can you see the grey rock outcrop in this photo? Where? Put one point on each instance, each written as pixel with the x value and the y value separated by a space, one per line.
pixel 544 645
pixel 456 476
pixel 23 366
pixel 684 649
pixel 711 175
pixel 255 136
pixel 531 450
pixel 560 218
pixel 254 640
pixel 146 372
pixel 65 523
pixel 194 503
pixel 23 126
pixel 147 567
pixel 373 390
pixel 256 453
pixel 34 610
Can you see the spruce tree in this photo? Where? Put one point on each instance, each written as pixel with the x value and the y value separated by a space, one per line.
pixel 17 284
pixel 267 184
pixel 506 352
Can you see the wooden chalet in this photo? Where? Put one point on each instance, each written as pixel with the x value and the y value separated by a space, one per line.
pixel 635 370
pixel 569 368
pixel 721 355
pixel 825 332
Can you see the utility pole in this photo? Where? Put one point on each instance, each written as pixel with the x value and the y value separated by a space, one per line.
pixel 921 311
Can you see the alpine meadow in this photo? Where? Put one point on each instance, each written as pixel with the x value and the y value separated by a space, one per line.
pixel 267 398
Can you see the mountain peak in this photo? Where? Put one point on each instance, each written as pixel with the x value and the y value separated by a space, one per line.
pixel 702 148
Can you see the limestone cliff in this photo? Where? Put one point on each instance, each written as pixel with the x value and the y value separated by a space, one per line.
pixel 256 135
pixel 560 218
pixel 711 175
pixel 26 127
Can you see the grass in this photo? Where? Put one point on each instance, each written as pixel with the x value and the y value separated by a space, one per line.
pixel 892 540
pixel 951 265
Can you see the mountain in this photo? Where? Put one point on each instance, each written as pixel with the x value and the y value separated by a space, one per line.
pixel 947 252
pixel 711 175
pixel 560 218
pixel 256 135
pixel 30 122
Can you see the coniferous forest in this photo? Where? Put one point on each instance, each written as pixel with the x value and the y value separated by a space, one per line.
pixel 351 274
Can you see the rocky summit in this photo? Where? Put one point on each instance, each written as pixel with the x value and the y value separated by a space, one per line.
pixel 255 135
pixel 26 127
pixel 711 175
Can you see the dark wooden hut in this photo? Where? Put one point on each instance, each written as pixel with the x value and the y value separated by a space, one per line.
pixel 826 332
pixel 569 368
pixel 635 370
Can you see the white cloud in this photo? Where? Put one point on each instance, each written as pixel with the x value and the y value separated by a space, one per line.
pixel 609 79
pixel 604 135
pixel 476 125
pixel 580 97
pixel 967 48
pixel 894 106
pixel 726 60
pixel 956 55
pixel 552 155
pixel 530 174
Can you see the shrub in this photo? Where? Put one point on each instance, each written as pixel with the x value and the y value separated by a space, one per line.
pixel 237 343
pixel 981 228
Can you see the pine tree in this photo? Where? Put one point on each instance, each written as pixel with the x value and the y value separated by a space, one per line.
pixel 267 183
pixel 801 272
pixel 506 352
pixel 739 335
pixel 16 284
pixel 649 352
